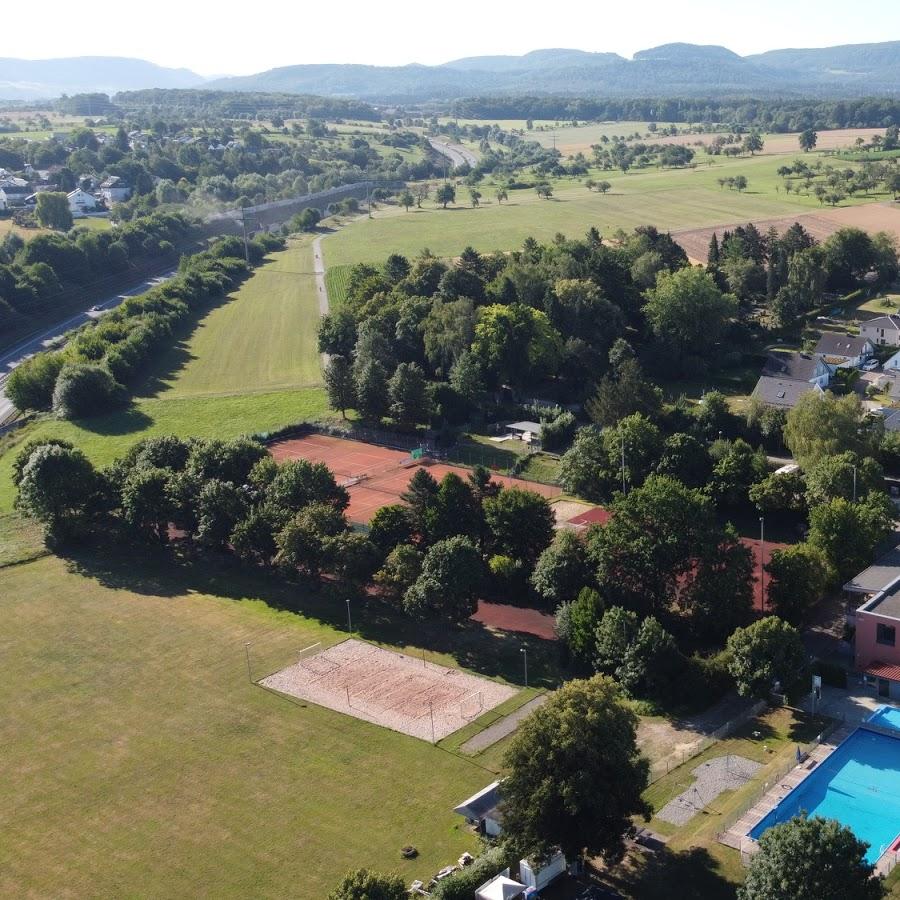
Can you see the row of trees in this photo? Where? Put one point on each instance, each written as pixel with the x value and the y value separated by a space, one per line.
pixel 87 375
pixel 33 274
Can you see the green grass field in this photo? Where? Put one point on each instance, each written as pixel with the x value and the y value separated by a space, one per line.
pixel 104 438
pixel 670 199
pixel 262 338
pixel 140 761
pixel 336 278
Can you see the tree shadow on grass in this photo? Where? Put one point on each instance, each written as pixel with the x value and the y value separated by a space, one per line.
pixel 170 572
pixel 124 421
pixel 692 874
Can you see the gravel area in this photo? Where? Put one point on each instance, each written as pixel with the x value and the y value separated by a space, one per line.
pixel 390 689
pixel 724 773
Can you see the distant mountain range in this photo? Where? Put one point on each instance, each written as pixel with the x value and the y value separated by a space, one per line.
pixel 666 71
pixel 37 79
pixel 687 70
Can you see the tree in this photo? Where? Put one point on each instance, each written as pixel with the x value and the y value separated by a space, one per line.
pixel 614 634
pixel 363 884
pixel 371 387
pixel 339 384
pixel 299 482
pixel 445 194
pixel 810 859
pixel 579 465
pixel 753 143
pixel 475 196
pixel 420 496
pixel 454 510
pixel 807 139
pixel 738 468
pixel 576 626
pixel 798 579
pixel 848 533
pixel 220 506
pixel 446 588
pixel 467 378
pixel 575 775
pixel 52 210
pixel 147 502
pixel 401 567
pixel 56 485
pixel 820 426
pixel 407 200
pixel 30 385
pixel 844 475
pixel 501 195
pixel 302 542
pixel 687 312
pixel 623 391
pixel 562 570
pixel 652 663
pixel 83 390
pixel 740 183
pixel 390 526
pixel 656 533
pixel 408 394
pixel 520 523
pixel 768 651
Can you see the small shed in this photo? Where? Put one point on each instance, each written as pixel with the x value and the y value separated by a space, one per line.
pixel 525 431
pixel 481 809
pixel 501 887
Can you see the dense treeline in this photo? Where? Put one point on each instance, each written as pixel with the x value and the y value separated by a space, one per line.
pixel 777 115
pixel 32 274
pixel 87 375
pixel 202 104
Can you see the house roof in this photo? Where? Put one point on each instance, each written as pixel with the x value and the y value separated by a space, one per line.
pixel 892 420
pixel 842 345
pixel 533 427
pixel 783 392
pixel 886 602
pixel 479 805
pixel 798 366
pixel 884 670
pixel 877 577
pixel 882 322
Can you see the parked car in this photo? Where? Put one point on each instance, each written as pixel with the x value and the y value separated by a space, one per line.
pixel 870 365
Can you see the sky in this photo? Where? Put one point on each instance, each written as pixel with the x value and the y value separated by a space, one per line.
pixel 225 37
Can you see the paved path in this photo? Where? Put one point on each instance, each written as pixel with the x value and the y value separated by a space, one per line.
pixel 12 357
pixel 321 287
pixel 500 729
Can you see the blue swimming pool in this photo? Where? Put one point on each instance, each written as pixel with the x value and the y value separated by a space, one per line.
pixel 858 784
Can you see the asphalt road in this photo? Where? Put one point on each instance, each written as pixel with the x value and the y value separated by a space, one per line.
pixel 12 357
pixel 456 153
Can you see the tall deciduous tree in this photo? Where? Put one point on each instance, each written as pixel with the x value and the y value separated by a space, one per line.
pixel 820 426
pixel 810 859
pixel 408 394
pixel 798 578
pixel 520 524
pixel 575 775
pixel 768 651
pixel 53 211
pixel 446 588
pixel 339 384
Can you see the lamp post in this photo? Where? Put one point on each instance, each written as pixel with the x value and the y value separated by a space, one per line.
pixel 762 563
pixel 524 652
pixel 349 620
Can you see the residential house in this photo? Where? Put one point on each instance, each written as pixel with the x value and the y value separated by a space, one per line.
pixel 16 189
pixel 783 392
pixel 843 351
pixel 877 647
pixel 795 366
pixel 4 203
pixel 115 190
pixel 481 810
pixel 883 331
pixel 81 203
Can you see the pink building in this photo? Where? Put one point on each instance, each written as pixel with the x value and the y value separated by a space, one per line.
pixel 878 640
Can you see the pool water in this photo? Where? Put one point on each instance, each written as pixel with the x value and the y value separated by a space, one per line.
pixel 858 784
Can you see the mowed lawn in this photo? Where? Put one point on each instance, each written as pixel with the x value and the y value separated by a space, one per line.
pixel 261 338
pixel 139 760
pixel 104 438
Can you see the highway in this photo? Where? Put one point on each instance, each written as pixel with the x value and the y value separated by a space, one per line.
pixel 13 356
pixel 456 153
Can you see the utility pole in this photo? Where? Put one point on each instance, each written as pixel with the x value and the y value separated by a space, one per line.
pixel 244 230
pixel 854 484
pixel 524 652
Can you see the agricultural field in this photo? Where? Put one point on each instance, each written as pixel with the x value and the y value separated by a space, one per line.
pixel 262 338
pixel 137 748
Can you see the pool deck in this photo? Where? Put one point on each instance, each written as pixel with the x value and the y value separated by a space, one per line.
pixel 738 835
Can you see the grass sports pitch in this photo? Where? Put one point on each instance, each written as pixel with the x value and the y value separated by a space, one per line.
pixel 400 692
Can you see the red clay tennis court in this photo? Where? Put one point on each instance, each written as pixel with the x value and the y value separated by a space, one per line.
pixel 383 473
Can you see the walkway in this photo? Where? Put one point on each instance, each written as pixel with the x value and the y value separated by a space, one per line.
pixel 503 727
pixel 321 287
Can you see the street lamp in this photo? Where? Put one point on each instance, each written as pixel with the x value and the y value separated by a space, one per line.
pixel 762 558
pixel 524 652
pixel 349 620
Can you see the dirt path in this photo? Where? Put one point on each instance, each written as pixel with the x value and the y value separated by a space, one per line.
pixel 505 726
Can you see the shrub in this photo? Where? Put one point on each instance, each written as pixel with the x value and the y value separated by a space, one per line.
pixel 83 389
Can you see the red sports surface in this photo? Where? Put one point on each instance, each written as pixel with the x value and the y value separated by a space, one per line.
pixel 383 476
